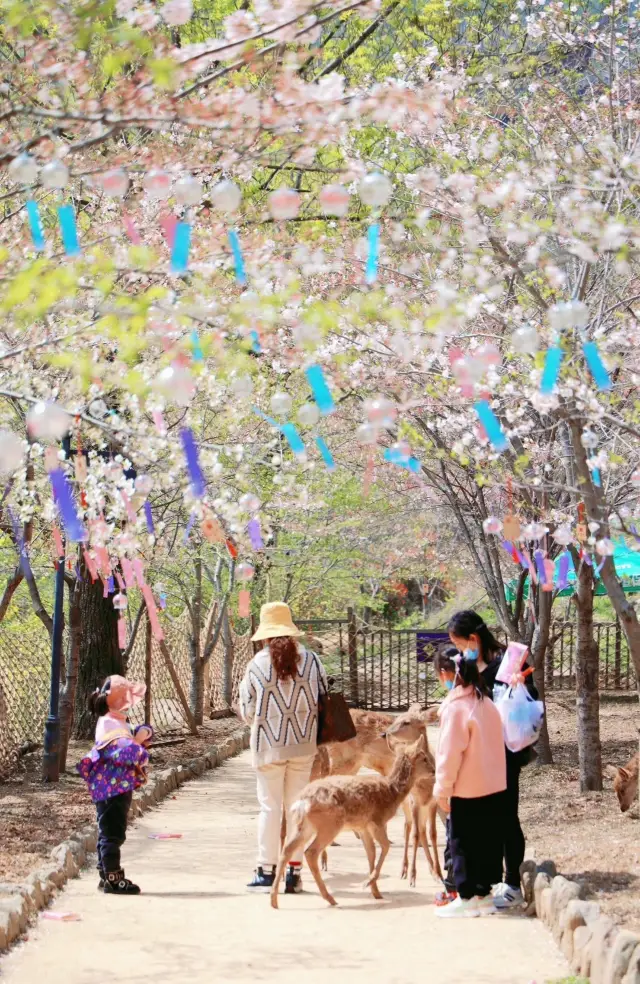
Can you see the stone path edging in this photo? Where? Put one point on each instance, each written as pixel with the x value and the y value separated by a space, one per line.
pixel 20 902
pixel 596 948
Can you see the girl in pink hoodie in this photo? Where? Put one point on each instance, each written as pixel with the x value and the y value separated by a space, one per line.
pixel 471 777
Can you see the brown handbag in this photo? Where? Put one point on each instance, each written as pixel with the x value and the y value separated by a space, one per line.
pixel 334 719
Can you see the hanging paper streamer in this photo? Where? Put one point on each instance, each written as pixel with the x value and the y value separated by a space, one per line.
pixel 122 633
pixel 67 220
pixel 158 420
pixel 35 224
pixel 131 516
pixel 244 604
pixel 327 457
pixel 320 390
pixel 255 342
pixel 373 252
pixel 269 420
pixel 105 590
pixel 253 529
pixel 139 572
pixel 90 564
pixel 597 367
pixel 551 371
pixel 491 424
pixel 396 457
pixel 193 462
pixel 57 540
pixel 22 549
pixel 111 587
pixel 187 532
pixel 152 611
pixel 232 550
pixel 564 562
pixel 121 583
pixel 131 230
pixel 149 517
pixel 538 556
pixel 180 250
pixel 168 225
pixel 238 259
pixel 128 571
pixel 549 568
pixel 196 348
pixel 63 498
pixel 293 438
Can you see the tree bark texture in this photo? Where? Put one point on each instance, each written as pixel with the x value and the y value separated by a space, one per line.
pixel 587 685
pixel 100 655
pixel 539 645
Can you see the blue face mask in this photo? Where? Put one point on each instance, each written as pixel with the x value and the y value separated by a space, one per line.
pixel 448 684
pixel 471 655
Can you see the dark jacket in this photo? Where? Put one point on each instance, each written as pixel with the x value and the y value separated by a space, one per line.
pixel 526 755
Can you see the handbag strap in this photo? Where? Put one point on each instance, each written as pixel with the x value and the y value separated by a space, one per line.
pixel 321 688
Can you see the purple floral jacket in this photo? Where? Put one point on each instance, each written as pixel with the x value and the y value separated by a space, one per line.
pixel 114 769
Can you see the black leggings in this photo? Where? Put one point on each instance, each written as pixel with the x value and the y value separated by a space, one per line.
pixel 475 827
pixel 514 843
pixel 112 830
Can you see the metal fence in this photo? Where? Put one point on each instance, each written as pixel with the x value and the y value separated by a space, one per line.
pixel 616 668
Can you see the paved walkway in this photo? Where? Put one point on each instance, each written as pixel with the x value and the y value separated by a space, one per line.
pixel 196 924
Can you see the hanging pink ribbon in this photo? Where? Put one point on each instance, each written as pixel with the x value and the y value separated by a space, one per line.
pixel 127 570
pixel 139 572
pixel 91 566
pixel 121 583
pixel 156 628
pixel 122 633
pixel 57 539
pixel 244 604
pixel 131 515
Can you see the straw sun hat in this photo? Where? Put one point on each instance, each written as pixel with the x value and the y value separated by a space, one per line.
pixel 275 621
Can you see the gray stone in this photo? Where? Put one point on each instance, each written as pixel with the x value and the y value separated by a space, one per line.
pixel 52 873
pixel 563 891
pixel 548 868
pixel 36 891
pixel 624 946
pixel 632 975
pixel 545 911
pixel 90 838
pixel 581 957
pixel 16 909
pixel 604 933
pixel 64 859
pixel 5 937
pixel 528 872
pixel 577 913
pixel 78 850
pixel 542 881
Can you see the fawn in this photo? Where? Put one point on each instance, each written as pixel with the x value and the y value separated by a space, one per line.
pixel 361 803
pixel 423 806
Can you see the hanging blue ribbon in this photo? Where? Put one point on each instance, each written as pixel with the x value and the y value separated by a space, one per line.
pixel 193 462
pixel 35 224
pixel 149 517
pixel 269 420
pixel 255 342
pixel 327 457
pixel 373 253
pixel 69 231
pixel 320 390
pixel 491 424
pixel 196 348
pixel 551 371
pixel 238 259
pixel 597 367
pixel 181 246
pixel 295 441
pixel 63 497
pixel 395 457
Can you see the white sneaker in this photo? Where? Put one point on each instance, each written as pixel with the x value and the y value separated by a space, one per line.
pixel 486 905
pixel 459 909
pixel 509 898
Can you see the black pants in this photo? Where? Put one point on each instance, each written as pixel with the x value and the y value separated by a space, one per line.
pixel 514 843
pixel 476 843
pixel 112 830
pixel 513 836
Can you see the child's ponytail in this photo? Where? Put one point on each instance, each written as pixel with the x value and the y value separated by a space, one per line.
pixel 97 703
pixel 466 670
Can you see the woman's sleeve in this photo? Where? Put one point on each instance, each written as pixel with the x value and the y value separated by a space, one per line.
pixel 452 744
pixel 247 706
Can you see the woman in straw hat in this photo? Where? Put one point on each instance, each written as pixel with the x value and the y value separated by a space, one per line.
pixel 279 699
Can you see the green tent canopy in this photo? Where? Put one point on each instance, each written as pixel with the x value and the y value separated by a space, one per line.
pixel 627 563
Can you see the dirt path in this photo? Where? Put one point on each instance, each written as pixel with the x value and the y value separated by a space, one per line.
pixel 196 923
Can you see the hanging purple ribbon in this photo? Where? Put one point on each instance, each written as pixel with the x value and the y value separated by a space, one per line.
pixel 63 497
pixel 111 584
pixel 564 562
pixel 187 532
pixel 149 517
pixel 538 556
pixel 253 529
pixel 193 462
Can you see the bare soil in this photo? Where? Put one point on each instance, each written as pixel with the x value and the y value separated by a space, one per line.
pixel 35 817
pixel 587 836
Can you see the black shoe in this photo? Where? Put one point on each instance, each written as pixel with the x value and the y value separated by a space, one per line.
pixel 293 881
pixel 116 884
pixel 102 877
pixel 262 880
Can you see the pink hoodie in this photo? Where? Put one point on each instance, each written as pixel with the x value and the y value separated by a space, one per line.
pixel 471 760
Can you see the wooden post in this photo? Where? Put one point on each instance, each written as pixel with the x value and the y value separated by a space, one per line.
pixel 148 649
pixel 193 728
pixel 353 657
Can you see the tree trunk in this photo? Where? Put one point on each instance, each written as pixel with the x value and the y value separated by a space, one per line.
pixel 227 670
pixel 68 696
pixel 100 654
pixel 587 681
pixel 196 683
pixel 539 646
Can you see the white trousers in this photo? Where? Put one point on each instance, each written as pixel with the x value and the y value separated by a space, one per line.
pixel 279 784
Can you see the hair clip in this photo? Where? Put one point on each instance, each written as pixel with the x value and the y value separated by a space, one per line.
pixel 456 659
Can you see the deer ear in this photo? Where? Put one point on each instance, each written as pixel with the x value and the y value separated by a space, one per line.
pixel 393 742
pixel 421 744
pixel 624 774
pixel 415 709
pixel 611 771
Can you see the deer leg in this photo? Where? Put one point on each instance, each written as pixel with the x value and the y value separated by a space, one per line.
pixel 416 830
pixel 405 856
pixel 298 840
pixel 312 854
pixel 324 861
pixel 433 832
pixel 370 848
pixel 379 831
